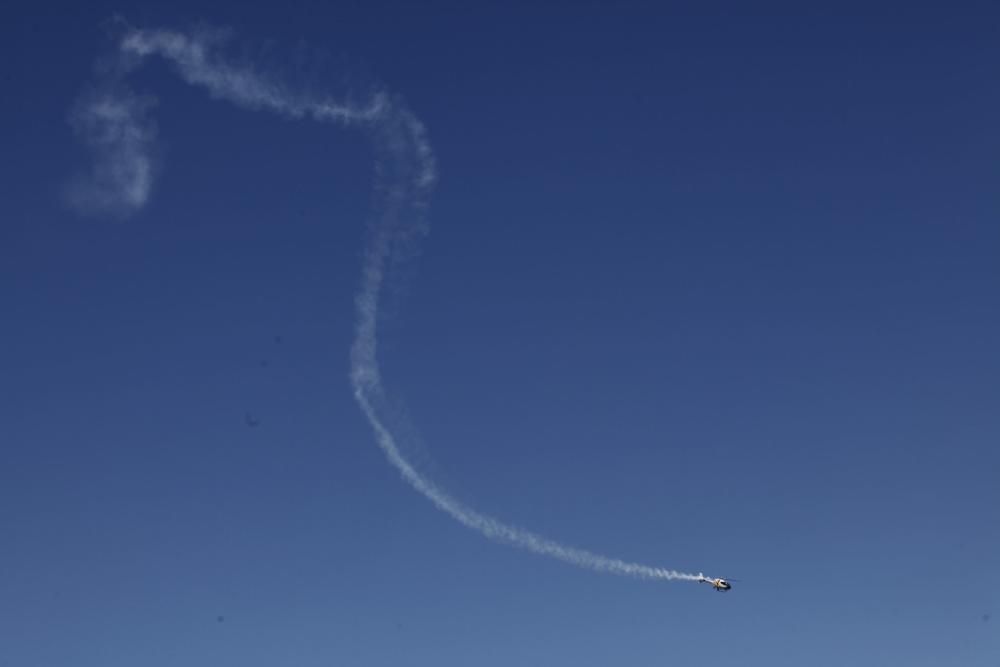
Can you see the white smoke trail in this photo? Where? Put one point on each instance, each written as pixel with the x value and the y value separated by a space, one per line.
pixel 113 122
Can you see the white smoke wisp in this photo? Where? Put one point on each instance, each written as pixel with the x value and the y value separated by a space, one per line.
pixel 115 126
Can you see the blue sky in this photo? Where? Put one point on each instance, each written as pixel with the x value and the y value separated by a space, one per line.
pixel 706 289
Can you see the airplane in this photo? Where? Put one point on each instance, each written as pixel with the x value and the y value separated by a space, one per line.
pixel 251 422
pixel 719 584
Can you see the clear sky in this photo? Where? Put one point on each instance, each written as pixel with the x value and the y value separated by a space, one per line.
pixel 705 288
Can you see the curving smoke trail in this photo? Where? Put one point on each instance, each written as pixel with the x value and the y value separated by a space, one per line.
pixel 114 122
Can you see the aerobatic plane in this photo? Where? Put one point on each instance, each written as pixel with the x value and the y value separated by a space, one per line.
pixel 719 584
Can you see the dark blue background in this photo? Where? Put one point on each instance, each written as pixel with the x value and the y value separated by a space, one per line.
pixel 707 287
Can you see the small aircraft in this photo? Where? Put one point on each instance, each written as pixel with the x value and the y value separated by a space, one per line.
pixel 719 584
pixel 251 421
